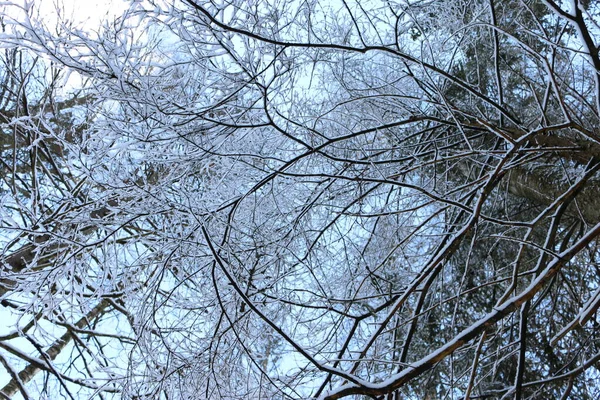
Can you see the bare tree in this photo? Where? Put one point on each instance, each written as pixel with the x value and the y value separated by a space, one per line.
pixel 309 200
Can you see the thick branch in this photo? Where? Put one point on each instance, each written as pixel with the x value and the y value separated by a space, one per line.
pixel 29 372
pixel 498 313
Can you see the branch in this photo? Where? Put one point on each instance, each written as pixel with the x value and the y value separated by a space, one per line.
pixel 29 372
pixel 498 313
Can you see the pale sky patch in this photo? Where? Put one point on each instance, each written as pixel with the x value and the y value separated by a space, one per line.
pixel 90 12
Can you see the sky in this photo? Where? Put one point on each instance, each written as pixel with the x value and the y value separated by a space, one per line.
pixel 89 11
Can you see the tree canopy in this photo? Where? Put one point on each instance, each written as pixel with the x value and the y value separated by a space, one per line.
pixel 301 200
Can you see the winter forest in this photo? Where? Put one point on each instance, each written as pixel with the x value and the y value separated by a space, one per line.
pixel 300 199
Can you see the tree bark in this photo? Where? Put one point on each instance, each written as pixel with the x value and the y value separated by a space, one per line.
pixel 29 372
